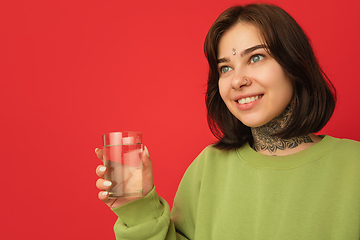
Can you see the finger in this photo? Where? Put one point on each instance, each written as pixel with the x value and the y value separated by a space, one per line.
pixel 103 196
pixel 147 172
pixel 101 170
pixel 103 184
pixel 99 153
pixel 147 164
pixel 114 202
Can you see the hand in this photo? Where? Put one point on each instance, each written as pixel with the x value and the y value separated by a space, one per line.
pixel 101 183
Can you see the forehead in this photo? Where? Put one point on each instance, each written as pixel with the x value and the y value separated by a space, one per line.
pixel 240 36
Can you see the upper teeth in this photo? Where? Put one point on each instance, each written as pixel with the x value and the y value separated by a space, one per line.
pixel 248 99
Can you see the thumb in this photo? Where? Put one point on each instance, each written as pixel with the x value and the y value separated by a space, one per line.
pixel 147 172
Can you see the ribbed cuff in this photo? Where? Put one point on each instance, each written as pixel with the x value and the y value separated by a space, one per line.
pixel 140 210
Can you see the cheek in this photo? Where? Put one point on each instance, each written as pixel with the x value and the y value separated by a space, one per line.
pixel 282 86
pixel 223 89
pixel 286 95
pixel 289 90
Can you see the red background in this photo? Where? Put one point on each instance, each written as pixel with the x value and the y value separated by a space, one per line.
pixel 73 70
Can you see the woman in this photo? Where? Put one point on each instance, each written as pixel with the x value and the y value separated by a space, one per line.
pixel 269 176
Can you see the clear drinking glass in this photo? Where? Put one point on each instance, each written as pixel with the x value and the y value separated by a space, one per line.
pixel 122 153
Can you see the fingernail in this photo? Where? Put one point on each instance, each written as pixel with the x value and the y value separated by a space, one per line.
pixel 147 152
pixel 96 149
pixel 104 193
pixel 102 169
pixel 107 183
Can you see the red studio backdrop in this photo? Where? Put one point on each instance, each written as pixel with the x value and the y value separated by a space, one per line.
pixel 73 70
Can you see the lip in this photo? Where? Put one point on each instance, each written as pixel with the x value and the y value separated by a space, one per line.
pixel 246 95
pixel 248 106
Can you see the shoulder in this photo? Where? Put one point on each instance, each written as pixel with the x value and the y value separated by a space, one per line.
pixel 210 154
pixel 209 158
pixel 347 145
pixel 344 150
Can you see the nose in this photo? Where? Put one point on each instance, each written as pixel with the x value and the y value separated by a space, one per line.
pixel 239 80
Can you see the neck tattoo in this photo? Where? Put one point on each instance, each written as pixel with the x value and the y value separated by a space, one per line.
pixel 264 141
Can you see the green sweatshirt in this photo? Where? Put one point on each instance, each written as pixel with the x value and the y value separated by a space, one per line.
pixel 241 194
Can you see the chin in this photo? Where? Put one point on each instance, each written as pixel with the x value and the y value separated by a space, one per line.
pixel 254 123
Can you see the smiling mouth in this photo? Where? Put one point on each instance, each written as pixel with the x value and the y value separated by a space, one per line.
pixel 249 99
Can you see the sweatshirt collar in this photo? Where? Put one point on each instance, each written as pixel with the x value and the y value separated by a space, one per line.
pixel 313 153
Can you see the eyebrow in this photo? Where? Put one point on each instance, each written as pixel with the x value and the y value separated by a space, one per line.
pixel 243 53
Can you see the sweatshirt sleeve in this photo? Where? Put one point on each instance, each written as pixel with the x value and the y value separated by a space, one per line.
pixel 145 218
pixel 149 217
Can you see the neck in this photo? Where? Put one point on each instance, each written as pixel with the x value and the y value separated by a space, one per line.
pixel 266 143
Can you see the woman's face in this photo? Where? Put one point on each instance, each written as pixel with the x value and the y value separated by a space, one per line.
pixel 267 91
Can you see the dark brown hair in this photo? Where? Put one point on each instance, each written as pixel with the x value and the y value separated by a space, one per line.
pixel 314 95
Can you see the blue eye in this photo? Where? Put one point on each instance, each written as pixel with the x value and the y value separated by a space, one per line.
pixel 225 69
pixel 256 58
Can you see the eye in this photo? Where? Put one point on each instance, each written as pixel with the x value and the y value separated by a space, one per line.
pixel 256 58
pixel 225 69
